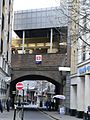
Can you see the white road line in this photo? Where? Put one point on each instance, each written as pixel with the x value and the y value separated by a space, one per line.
pixel 47 115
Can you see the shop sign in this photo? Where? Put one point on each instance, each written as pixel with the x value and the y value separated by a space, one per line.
pixel 38 59
pixel 88 68
pixel 84 69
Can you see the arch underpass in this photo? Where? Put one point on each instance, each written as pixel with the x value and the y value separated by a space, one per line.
pixel 58 86
pixel 35 77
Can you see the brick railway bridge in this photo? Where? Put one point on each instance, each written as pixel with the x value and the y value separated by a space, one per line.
pixel 39 36
pixel 24 67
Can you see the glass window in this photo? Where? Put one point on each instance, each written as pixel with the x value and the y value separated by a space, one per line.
pixel 17 16
pixel 33 20
pixel 39 14
pixel 83 53
pixel 38 20
pixel 44 19
pixel 29 15
pixel 44 14
pixel 34 14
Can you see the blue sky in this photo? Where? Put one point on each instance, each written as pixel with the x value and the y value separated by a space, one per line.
pixel 34 4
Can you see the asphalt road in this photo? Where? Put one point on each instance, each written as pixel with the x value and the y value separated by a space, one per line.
pixel 35 115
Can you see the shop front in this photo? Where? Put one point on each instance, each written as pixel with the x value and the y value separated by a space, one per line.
pixel 80 90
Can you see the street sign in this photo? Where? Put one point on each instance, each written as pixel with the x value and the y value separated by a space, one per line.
pixel 19 86
pixel 13 92
pixel 38 59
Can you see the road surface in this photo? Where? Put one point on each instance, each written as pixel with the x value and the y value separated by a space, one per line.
pixel 36 115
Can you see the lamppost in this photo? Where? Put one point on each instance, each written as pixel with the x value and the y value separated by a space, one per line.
pixel 27 91
pixel 41 101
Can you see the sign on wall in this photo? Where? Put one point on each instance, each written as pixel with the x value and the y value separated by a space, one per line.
pixel 84 70
pixel 38 59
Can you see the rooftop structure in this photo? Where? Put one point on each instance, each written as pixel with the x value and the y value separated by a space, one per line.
pixel 40 18
pixel 41 30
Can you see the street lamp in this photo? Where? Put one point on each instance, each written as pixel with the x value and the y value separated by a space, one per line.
pixel 41 101
pixel 27 91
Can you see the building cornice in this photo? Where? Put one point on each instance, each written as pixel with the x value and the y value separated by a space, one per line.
pixel 3 72
pixel 83 63
pixel 73 75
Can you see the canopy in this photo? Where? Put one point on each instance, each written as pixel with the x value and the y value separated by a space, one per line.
pixel 59 96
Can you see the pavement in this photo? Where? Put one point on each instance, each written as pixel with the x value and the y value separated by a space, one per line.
pixel 9 115
pixel 57 116
pixel 54 114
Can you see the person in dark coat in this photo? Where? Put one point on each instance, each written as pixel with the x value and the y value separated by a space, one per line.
pixel 1 107
pixel 52 105
pixel 8 105
pixel 47 105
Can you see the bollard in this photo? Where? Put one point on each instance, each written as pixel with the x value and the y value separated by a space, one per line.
pixel 22 115
pixel 15 107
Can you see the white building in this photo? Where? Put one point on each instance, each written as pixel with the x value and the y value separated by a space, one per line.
pixel 80 82
pixel 6 13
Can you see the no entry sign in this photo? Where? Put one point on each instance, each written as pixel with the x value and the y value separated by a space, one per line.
pixel 19 86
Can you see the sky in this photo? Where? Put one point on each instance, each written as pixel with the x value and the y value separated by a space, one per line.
pixel 34 4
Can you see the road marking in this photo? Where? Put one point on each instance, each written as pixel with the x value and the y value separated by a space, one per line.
pixel 47 115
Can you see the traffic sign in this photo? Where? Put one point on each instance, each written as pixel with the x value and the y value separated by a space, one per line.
pixel 19 86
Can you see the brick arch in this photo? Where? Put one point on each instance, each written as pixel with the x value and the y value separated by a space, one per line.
pixel 26 74
pixel 35 77
pixel 24 64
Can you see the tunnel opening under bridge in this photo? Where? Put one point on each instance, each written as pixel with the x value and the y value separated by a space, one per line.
pixel 58 86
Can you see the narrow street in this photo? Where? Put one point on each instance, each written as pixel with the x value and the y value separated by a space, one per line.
pixel 35 114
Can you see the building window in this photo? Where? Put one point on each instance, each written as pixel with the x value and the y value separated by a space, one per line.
pixel 85 23
pixel 1 45
pixel 2 21
pixel 89 54
pixel 83 53
pixel 3 3
pixel 9 2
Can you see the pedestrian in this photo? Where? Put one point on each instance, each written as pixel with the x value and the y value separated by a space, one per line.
pixel 1 107
pixel 19 103
pixel 8 105
pixel 52 105
pixel 47 104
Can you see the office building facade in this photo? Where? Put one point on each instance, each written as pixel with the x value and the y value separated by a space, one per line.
pixel 6 16
pixel 80 80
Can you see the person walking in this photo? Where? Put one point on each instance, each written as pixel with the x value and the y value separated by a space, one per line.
pixel 47 105
pixel 52 105
pixel 1 107
pixel 8 105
